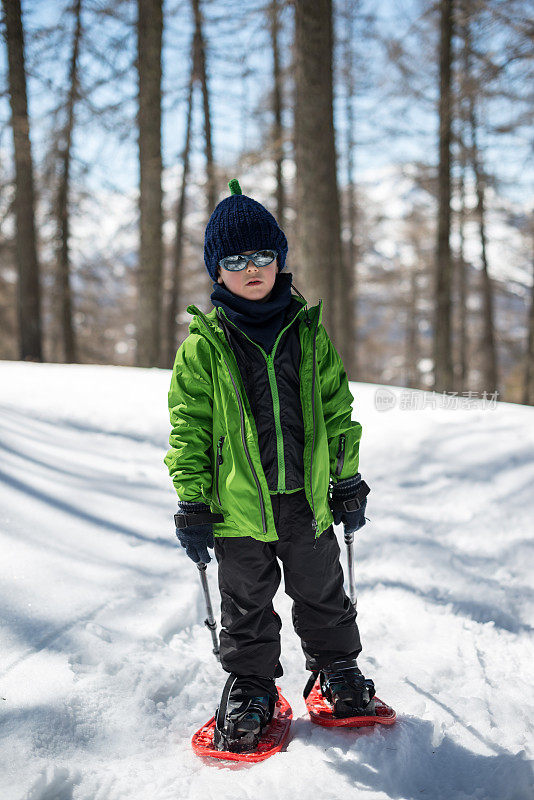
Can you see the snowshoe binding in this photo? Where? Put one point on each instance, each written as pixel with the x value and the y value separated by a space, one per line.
pixel 346 689
pixel 270 741
pixel 244 713
pixel 339 695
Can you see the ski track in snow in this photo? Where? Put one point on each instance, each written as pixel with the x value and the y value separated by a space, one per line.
pixel 107 669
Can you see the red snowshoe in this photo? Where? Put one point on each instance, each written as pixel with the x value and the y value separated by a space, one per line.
pixel 248 725
pixel 340 696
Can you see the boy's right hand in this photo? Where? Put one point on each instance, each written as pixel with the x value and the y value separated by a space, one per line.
pixel 195 539
pixel 348 491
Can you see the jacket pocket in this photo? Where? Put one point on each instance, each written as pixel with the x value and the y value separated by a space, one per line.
pixel 218 462
pixel 340 454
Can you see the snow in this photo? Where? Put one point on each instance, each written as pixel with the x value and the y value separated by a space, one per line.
pixel 107 668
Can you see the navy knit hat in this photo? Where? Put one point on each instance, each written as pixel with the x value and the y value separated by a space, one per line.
pixel 240 223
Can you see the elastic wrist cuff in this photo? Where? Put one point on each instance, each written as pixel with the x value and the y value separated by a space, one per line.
pixel 189 507
pixel 347 486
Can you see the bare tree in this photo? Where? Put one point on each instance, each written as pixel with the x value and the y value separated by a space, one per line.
pixel 443 375
pixel 319 240
pixel 462 276
pixel 198 77
pixel 461 271
pixel 277 129
pixel 420 241
pixel 488 345
pixel 63 217
pixel 349 295
pixel 202 74
pixel 528 386
pixel 28 290
pixel 174 292
pixel 149 38
pixel 489 352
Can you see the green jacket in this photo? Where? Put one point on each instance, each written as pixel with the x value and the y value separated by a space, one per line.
pixel 207 401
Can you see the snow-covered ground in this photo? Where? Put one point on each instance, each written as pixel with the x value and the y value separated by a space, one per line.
pixel 106 667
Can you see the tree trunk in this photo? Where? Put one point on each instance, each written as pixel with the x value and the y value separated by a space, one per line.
pixel 348 333
pixel 278 132
pixel 412 354
pixel 28 289
pixel 318 226
pixel 489 344
pixel 149 30
pixel 528 389
pixel 180 210
pixel 489 353
pixel 443 374
pixel 63 219
pixel 210 169
pixel 462 105
pixel 462 280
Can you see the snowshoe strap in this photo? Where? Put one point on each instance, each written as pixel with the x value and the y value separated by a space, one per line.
pixel 369 683
pixel 220 719
pixel 309 684
pixel 348 662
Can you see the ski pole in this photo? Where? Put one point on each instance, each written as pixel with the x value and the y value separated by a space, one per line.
pixel 209 622
pixel 349 541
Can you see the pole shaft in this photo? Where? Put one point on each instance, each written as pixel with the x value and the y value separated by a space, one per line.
pixel 210 620
pixel 349 541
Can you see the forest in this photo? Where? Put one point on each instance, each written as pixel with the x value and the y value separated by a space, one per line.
pixel 391 140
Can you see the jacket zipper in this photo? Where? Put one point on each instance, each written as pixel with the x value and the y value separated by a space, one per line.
pixel 246 448
pixel 314 520
pixel 340 454
pixel 218 462
pixel 242 417
pixel 277 424
pixel 269 358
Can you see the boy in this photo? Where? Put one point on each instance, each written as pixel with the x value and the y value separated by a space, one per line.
pixel 264 457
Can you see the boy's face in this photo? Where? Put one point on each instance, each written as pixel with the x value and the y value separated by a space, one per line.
pixel 239 282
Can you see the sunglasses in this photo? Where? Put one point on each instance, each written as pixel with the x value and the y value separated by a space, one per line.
pixel 261 258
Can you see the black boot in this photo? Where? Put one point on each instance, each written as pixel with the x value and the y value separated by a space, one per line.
pixel 246 709
pixel 344 686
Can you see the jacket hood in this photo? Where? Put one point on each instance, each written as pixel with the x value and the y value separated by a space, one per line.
pixel 201 319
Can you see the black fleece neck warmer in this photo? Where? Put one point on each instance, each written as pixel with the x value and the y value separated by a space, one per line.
pixel 261 320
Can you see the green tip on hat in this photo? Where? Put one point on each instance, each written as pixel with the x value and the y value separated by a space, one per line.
pixel 235 188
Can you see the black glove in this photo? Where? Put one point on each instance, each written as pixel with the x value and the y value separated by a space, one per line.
pixel 195 537
pixel 349 501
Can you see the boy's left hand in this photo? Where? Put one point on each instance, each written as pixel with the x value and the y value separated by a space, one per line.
pixel 349 501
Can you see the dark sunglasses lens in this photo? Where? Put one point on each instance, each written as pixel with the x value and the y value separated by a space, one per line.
pixel 264 257
pixel 234 263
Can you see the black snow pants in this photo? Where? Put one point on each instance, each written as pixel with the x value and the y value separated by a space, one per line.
pixel 249 575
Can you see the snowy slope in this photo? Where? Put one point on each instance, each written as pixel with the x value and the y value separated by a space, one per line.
pixel 106 667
